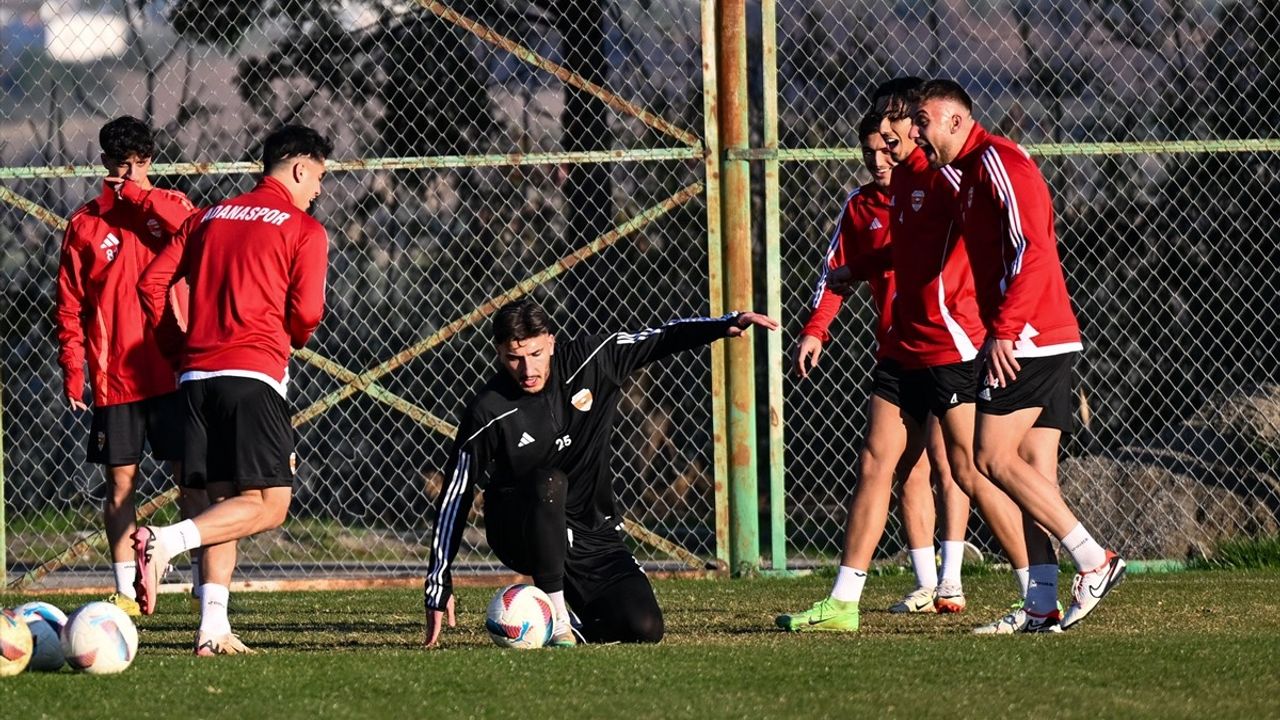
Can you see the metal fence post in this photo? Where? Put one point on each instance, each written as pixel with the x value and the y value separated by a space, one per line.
pixel 715 279
pixel 735 135
pixel 775 362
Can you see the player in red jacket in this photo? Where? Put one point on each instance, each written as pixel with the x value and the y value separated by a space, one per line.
pixel 257 265
pixel 934 323
pixel 859 251
pixel 107 243
pixel 1032 340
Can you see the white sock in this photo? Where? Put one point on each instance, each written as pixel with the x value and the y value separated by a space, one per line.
pixel 849 582
pixel 213 609
pixel 924 563
pixel 1085 551
pixel 562 610
pixel 952 559
pixel 125 573
pixel 181 537
pixel 195 576
pixel 1023 576
pixel 1042 593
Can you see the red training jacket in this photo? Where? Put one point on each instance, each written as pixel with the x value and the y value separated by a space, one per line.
pixel 860 241
pixel 106 245
pixel 257 268
pixel 1007 217
pixel 935 311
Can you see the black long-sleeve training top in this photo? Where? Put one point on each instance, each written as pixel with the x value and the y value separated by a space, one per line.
pixel 507 433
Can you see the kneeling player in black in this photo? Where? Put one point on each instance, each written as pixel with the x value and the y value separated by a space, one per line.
pixel 536 438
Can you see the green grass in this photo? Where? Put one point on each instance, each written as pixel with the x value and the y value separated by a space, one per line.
pixel 1183 645
pixel 1242 554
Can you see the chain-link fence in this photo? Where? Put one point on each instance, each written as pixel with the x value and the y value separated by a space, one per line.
pixel 1132 110
pixel 481 148
pixel 556 148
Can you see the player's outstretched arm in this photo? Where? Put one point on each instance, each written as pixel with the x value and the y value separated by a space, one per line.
pixel 623 353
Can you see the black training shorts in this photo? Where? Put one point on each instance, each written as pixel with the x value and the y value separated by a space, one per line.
pixel 238 432
pixel 117 432
pixel 938 389
pixel 886 381
pixel 1043 382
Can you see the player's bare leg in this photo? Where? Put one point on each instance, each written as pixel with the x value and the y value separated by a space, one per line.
pixel 237 516
pixel 214 636
pixel 1039 448
pixel 919 518
pixel 886 446
pixel 1000 512
pixel 998 439
pixel 1039 612
pixel 955 522
pixel 119 517
pixel 892 442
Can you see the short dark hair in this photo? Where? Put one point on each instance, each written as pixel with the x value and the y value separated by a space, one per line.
pixel 894 97
pixel 520 320
pixel 293 141
pixel 944 89
pixel 125 136
pixel 869 125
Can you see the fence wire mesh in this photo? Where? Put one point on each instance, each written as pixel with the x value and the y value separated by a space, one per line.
pixel 471 139
pixel 488 111
pixel 1170 255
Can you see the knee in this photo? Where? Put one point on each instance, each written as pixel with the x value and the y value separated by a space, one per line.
pixel 993 462
pixel 119 485
pixel 274 513
pixel 648 627
pixel 550 487
pixel 875 467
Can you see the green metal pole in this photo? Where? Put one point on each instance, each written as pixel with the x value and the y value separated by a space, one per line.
pixel 735 184
pixel 773 288
pixel 715 279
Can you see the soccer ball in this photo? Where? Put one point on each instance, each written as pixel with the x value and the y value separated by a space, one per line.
pixel 15 644
pixel 99 639
pixel 46 622
pixel 521 617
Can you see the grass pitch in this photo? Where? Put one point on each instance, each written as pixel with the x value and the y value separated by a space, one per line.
pixel 1188 645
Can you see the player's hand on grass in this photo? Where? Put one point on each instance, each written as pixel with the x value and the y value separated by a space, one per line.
pixel 745 321
pixel 808 350
pixel 435 622
pixel 840 281
pixel 1001 366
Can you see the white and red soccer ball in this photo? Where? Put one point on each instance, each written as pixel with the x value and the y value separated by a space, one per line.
pixel 520 617
pixel 99 639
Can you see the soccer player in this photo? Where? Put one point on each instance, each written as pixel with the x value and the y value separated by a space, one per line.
pixel 107 243
pixel 935 322
pixel 1032 340
pixel 859 251
pixel 257 265
pixel 536 439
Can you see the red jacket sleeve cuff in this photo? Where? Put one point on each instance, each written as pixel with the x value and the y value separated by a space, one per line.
pixel 132 193
pixel 814 331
